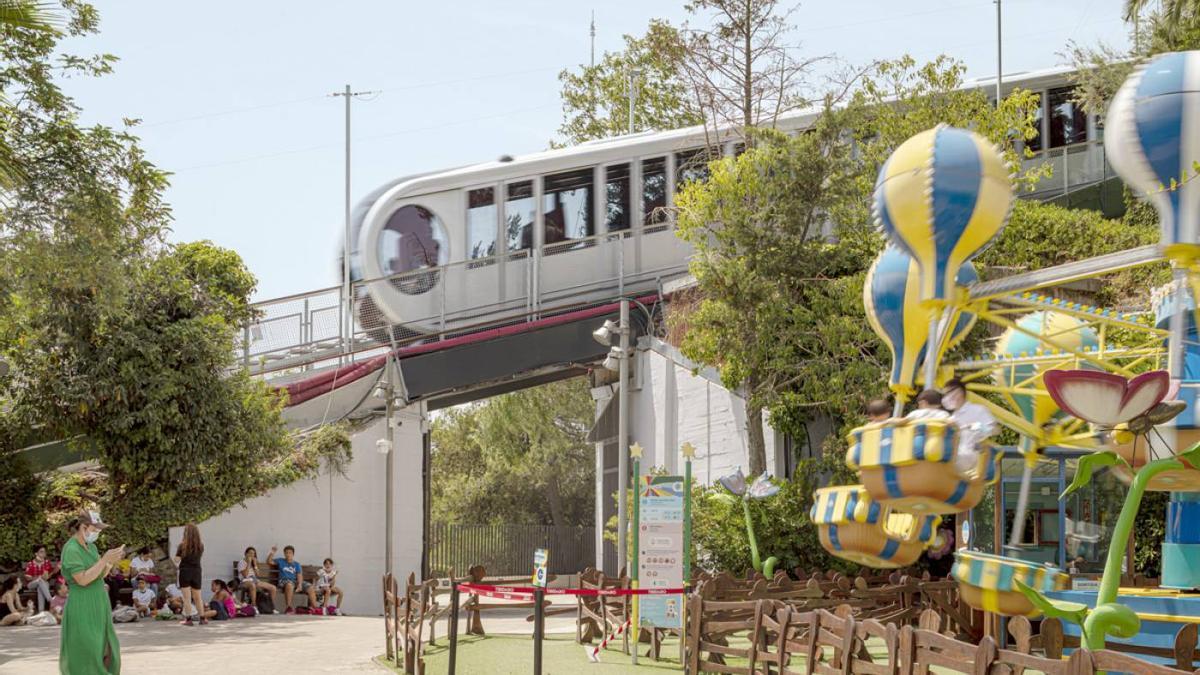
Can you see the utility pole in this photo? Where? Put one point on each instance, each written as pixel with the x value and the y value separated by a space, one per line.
pixel 623 440
pixel 999 53
pixel 347 327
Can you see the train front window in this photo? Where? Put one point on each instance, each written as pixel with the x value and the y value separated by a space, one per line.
pixel 654 190
pixel 567 203
pixel 519 216
pixel 617 207
pixel 413 239
pixel 481 223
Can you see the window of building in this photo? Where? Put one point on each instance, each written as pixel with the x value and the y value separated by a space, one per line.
pixel 1068 121
pixel 567 204
pixel 618 207
pixel 413 239
pixel 654 190
pixel 519 215
pixel 481 223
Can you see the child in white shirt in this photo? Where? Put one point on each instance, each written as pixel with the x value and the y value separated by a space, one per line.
pixel 326 577
pixel 143 598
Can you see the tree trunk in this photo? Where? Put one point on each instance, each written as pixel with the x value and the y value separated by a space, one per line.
pixel 554 499
pixel 756 445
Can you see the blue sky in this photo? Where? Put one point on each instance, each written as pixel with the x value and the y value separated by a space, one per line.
pixel 233 95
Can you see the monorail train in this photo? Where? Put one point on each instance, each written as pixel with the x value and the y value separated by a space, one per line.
pixel 452 248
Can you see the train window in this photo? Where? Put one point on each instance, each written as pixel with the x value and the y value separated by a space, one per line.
pixel 692 165
pixel 519 216
pixel 567 202
pixel 413 239
pixel 618 207
pixel 481 223
pixel 1068 121
pixel 1035 143
pixel 654 190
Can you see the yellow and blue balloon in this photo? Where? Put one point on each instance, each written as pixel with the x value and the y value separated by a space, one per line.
pixel 1062 329
pixel 1152 140
pixel 942 197
pixel 891 296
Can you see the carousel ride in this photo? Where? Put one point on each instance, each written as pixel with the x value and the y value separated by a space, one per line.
pixel 1062 374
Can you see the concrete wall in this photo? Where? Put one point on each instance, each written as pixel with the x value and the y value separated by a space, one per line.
pixel 338 517
pixel 678 403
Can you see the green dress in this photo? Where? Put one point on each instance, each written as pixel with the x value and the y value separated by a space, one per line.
pixel 87 627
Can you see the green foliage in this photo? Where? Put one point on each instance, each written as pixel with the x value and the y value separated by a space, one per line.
pixel 519 458
pixel 595 99
pixel 113 335
pixel 781 523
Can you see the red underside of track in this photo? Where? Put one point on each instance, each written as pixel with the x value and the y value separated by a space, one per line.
pixel 323 383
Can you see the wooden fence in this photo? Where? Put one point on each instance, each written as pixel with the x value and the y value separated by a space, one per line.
pixel 508 549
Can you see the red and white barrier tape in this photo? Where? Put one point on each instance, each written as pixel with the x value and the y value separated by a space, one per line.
pixel 526 592
pixel 594 652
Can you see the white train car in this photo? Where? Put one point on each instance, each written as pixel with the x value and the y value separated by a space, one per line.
pixel 452 248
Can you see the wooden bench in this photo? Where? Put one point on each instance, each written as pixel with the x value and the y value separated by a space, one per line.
pixel 270 574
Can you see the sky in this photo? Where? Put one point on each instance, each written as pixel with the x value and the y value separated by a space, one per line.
pixel 234 96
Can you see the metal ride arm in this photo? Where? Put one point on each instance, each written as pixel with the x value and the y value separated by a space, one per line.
pixel 1067 272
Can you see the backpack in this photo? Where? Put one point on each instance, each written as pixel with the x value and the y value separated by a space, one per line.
pixel 264 604
pixel 247 610
pixel 124 614
pixel 42 619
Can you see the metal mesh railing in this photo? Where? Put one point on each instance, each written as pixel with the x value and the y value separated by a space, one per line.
pixel 305 331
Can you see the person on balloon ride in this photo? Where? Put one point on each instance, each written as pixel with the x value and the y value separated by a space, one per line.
pixel 929 407
pixel 879 410
pixel 975 424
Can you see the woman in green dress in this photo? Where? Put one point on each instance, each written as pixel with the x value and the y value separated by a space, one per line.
pixel 89 643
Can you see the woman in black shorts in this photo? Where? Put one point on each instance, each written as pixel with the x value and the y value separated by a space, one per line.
pixel 187 559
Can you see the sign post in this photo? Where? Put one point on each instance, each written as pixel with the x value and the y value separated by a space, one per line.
pixel 661 534
pixel 453 625
pixel 540 558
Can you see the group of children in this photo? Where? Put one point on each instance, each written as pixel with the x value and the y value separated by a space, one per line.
pixel 139 572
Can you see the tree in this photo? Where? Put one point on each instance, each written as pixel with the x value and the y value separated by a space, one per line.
pixel 114 337
pixel 739 64
pixel 517 458
pixel 783 234
pixel 595 99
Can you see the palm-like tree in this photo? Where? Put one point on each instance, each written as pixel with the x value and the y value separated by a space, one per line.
pixel 1172 10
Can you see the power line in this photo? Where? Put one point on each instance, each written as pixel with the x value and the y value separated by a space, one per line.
pixel 308 99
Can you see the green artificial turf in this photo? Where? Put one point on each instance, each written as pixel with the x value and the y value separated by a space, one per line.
pixel 561 655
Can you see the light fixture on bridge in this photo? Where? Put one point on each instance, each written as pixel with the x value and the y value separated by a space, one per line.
pixel 604 334
pixel 383 446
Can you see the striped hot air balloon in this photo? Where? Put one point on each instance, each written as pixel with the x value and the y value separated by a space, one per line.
pixel 1152 139
pixel 891 296
pixel 942 197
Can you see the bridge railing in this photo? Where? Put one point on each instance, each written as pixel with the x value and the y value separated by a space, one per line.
pixel 307 330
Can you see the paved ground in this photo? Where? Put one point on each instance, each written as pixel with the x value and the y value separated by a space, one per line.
pixel 265 644
pixel 292 644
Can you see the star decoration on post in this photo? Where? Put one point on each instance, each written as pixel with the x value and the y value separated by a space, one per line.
pixel 688 450
pixel 635 451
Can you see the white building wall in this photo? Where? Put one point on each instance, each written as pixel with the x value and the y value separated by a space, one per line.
pixel 678 403
pixel 338 517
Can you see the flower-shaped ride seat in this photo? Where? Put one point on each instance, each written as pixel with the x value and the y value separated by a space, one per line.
pixel 853 527
pixel 987 582
pixel 909 465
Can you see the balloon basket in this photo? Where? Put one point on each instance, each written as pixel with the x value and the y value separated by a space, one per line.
pixel 853 527
pixel 908 465
pixel 986 582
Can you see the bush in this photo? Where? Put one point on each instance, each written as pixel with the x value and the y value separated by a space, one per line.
pixel 781 523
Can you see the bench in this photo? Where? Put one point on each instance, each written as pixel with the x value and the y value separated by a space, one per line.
pixel 270 574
